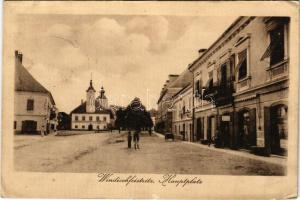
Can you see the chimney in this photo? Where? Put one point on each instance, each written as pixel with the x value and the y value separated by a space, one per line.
pixel 19 56
pixel 201 51
pixel 173 77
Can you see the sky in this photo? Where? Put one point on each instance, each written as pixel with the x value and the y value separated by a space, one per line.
pixel 129 55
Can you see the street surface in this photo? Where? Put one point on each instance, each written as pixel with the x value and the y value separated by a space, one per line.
pixel 108 152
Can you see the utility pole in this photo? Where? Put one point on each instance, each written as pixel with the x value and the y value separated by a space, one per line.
pixel 193 108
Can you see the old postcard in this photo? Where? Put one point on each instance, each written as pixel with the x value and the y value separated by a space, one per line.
pixel 150 99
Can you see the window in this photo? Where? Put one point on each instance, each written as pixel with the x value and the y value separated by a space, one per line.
pixel 98 127
pixel 98 118
pixel 197 88
pixel 83 126
pixel 83 118
pixel 277 45
pixel 242 64
pixel 104 119
pixel 223 75
pixel 30 104
pixel 76 126
pixel 91 118
pixel 76 118
pixel 210 80
pixel 15 125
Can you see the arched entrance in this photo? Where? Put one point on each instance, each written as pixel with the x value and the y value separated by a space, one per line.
pixel 246 128
pixel 279 129
pixel 90 127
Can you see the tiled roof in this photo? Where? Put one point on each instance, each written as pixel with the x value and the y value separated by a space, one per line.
pixel 24 81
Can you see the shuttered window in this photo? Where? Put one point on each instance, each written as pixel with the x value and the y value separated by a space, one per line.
pixel 30 104
pixel 242 64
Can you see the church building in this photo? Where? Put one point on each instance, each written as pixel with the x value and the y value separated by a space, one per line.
pixel 92 114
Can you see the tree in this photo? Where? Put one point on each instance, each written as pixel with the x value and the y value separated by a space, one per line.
pixel 135 116
pixel 64 121
pixel 120 118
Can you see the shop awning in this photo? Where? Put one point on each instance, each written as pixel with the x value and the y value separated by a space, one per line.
pixel 269 50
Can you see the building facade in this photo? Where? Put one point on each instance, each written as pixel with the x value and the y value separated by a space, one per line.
pixel 241 87
pixel 34 106
pixel 163 120
pixel 182 113
pixel 173 85
pixel 92 114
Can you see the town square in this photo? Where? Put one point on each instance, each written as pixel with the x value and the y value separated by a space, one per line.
pixel 152 94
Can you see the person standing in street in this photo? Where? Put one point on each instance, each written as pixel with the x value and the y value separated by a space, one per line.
pixel 43 131
pixel 129 139
pixel 136 138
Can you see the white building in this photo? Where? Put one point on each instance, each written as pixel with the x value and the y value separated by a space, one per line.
pixel 182 112
pixel 34 106
pixel 94 113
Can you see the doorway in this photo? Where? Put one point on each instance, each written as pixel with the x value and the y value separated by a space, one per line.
pixel 244 129
pixel 90 127
pixel 199 125
pixel 224 133
pixel 211 132
pixel 279 131
pixel 29 126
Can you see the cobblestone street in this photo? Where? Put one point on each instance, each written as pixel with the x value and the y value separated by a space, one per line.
pixel 108 152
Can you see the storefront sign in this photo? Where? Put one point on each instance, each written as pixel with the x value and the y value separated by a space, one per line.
pixel 226 118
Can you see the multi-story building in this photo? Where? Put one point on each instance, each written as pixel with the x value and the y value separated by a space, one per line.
pixel 34 106
pixel 163 120
pixel 92 114
pixel 164 115
pixel 182 112
pixel 242 86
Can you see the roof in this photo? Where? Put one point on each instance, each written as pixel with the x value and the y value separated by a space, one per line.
pixel 188 86
pixel 91 87
pixel 102 95
pixel 99 110
pixel 218 39
pixel 25 82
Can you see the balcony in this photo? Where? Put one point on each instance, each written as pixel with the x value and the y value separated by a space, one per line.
pixel 224 93
pixel 278 70
pixel 244 84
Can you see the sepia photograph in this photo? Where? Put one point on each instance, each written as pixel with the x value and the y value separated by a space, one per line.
pixel 118 95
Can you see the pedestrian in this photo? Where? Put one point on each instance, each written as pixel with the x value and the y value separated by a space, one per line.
pixel 129 139
pixel 136 138
pixel 211 140
pixel 43 131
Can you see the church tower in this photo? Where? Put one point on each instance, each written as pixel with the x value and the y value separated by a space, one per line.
pixel 90 98
pixel 102 99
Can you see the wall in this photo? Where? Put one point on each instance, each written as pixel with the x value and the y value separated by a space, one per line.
pixel 255 38
pixel 102 124
pixel 40 113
